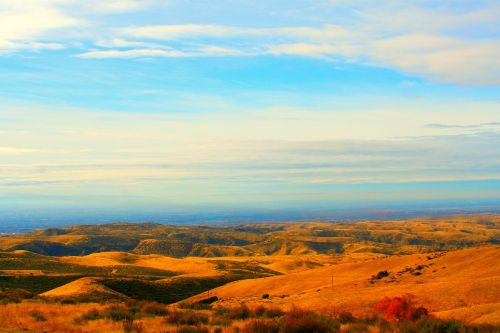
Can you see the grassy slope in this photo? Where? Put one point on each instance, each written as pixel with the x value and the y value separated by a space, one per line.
pixel 465 281
pixel 461 284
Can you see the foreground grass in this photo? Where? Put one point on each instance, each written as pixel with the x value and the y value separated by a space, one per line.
pixel 142 317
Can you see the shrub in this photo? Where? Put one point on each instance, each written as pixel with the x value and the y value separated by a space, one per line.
pixel 241 312
pixel 434 325
pixel 155 309
pixel 221 321
pixel 134 306
pixel 262 311
pixel 192 329
pixel 186 318
pixel 300 321
pixel 356 328
pixel 381 275
pixel 130 326
pixel 261 326
pixel 274 312
pixel 209 300
pixel 265 296
pixel 195 306
pixel 259 311
pixel 15 295
pixel 399 308
pixel 345 317
pixel 221 312
pixel 38 316
pixel 430 325
pixel 119 313
pixel 92 315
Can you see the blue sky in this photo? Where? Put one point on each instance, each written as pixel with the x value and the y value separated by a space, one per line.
pixel 164 104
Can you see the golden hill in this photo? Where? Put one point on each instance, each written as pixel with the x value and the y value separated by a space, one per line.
pixel 83 287
pixel 462 284
pixel 388 237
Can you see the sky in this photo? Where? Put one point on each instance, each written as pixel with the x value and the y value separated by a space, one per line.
pixel 157 105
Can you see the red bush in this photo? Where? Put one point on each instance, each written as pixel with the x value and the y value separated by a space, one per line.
pixel 399 308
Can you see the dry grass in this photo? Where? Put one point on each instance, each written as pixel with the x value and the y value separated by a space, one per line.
pixel 462 279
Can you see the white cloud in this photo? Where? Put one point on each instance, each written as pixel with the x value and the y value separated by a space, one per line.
pixel 451 60
pixel 218 31
pixel 17 151
pixel 439 57
pixel 123 43
pixel 22 23
pixel 445 43
pixel 116 6
pixel 28 24
pixel 134 53
pixel 163 53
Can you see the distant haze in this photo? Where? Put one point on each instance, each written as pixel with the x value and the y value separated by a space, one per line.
pixel 22 221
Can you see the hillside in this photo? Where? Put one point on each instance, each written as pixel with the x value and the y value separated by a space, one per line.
pixel 462 284
pixel 385 237
pixel 449 264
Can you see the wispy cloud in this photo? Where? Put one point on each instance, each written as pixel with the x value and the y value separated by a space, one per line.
pixel 134 53
pixel 114 6
pixel 17 151
pixel 163 52
pixel 35 24
pixel 460 46
pixel 22 23
pixel 467 126
pixel 327 32
pixel 435 54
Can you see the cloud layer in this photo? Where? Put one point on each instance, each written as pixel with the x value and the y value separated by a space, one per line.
pixel 221 159
pixel 452 43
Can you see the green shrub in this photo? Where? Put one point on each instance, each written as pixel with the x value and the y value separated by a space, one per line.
pixel 92 315
pixel 220 312
pixel 381 275
pixel 345 317
pixel 241 312
pixel 15 295
pixel 155 309
pixel 38 316
pixel 429 325
pixel 261 326
pixel 301 321
pixel 273 312
pixel 192 329
pixel 130 326
pixel 356 328
pixel 220 321
pixel 195 306
pixel 262 311
pixel 186 318
pixel 119 313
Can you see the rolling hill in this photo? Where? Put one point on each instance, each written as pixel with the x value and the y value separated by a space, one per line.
pixel 386 237
pixel 463 284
